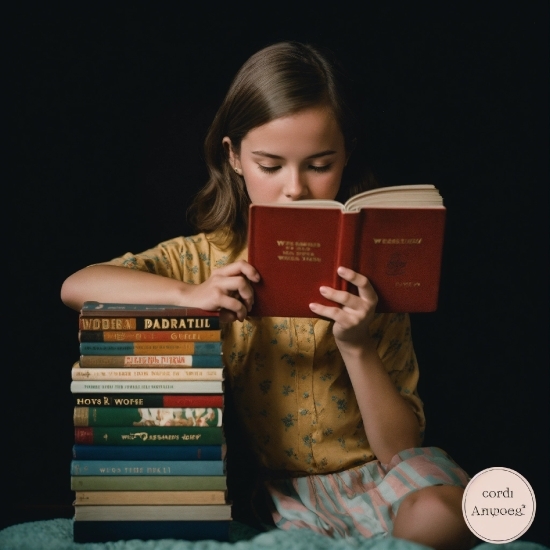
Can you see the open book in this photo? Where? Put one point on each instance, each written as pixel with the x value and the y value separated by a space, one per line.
pixel 392 235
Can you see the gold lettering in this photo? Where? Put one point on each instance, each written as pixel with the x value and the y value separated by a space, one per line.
pixel 380 240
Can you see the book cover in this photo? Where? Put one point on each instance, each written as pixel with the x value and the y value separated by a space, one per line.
pixel 147 467
pixel 108 531
pixel 141 386
pixel 150 348
pixel 149 435
pixel 183 401
pixel 152 336
pixel 151 361
pixel 112 309
pixel 297 247
pixel 150 497
pixel 148 483
pixel 146 416
pixel 151 324
pixel 129 373
pixel 148 452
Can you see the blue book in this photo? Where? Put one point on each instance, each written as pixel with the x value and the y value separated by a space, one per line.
pixel 105 531
pixel 144 452
pixel 150 348
pixel 147 468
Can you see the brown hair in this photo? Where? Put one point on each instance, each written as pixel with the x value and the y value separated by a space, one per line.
pixel 279 80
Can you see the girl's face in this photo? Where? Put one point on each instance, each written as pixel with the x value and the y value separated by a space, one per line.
pixel 300 156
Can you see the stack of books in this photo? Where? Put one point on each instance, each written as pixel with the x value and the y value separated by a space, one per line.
pixel 149 451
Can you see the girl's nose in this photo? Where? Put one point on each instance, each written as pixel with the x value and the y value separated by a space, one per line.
pixel 295 187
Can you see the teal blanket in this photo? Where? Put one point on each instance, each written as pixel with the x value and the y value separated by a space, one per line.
pixel 57 534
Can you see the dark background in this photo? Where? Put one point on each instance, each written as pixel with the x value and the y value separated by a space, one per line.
pixel 110 106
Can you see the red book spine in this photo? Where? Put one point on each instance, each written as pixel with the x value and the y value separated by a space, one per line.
pixel 193 401
pixel 84 435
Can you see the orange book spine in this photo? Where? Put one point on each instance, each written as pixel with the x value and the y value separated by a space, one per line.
pixel 146 336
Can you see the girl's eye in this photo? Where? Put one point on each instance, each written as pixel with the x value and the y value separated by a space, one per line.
pixel 324 168
pixel 268 169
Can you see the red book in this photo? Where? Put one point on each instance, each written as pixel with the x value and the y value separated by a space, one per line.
pixel 392 235
pixel 149 400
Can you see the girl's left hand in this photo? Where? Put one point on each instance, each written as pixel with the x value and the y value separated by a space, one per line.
pixel 352 319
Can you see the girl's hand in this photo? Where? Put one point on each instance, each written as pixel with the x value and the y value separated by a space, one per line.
pixel 352 319
pixel 228 290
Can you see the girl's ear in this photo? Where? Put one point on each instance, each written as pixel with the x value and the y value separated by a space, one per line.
pixel 232 155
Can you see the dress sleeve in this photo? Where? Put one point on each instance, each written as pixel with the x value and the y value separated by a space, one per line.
pixel 395 347
pixel 186 259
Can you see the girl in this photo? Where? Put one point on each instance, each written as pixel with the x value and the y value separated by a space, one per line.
pixel 328 403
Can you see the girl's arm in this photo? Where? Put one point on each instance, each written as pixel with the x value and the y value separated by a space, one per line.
pixel 228 289
pixel 390 423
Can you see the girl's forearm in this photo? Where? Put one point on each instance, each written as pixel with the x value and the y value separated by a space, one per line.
pixel 390 423
pixel 108 283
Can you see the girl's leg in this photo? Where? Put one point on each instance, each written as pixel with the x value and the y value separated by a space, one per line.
pixel 433 516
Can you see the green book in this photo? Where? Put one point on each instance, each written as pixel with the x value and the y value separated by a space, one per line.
pixel 148 435
pixel 147 416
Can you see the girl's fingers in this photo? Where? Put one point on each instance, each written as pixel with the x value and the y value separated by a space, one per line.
pixel 240 267
pixel 365 289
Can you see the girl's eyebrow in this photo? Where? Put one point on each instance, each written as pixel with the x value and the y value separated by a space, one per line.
pixel 314 156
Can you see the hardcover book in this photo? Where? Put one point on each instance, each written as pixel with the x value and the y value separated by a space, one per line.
pixel 147 467
pixel 150 348
pixel 148 483
pixel 141 386
pixel 144 452
pixel 151 361
pixel 182 512
pixel 392 235
pixel 146 416
pixel 128 373
pixel 150 497
pixel 113 309
pixel 148 400
pixel 149 435
pixel 150 323
pixel 149 336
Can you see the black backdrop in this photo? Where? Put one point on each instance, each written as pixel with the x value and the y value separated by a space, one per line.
pixel 110 106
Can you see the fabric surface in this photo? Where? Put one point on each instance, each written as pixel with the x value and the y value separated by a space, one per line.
pixel 56 534
pixel 290 386
pixel 363 501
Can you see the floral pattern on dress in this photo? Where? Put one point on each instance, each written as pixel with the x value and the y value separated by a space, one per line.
pixel 290 386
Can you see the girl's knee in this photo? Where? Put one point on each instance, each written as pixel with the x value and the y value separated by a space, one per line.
pixel 436 501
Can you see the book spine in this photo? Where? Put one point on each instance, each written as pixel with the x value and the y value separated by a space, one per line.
pixel 104 309
pixel 112 416
pixel 151 361
pixel 150 323
pixel 149 497
pixel 148 435
pixel 163 387
pixel 144 336
pixel 147 467
pixel 148 400
pixel 150 348
pixel 107 531
pixel 144 452
pixel 127 373
pixel 148 483
pixel 144 512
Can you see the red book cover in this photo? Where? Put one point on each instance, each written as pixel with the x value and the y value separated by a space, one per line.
pixel 298 247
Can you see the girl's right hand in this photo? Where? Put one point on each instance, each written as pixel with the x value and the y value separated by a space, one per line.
pixel 228 290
